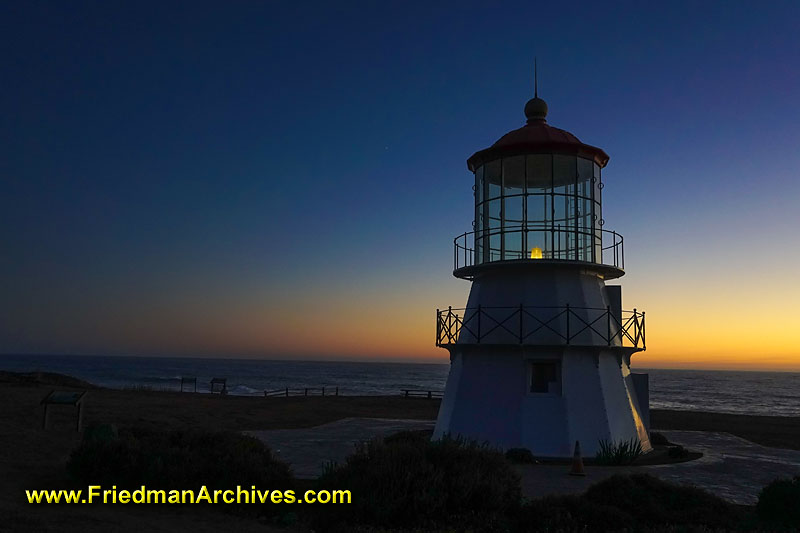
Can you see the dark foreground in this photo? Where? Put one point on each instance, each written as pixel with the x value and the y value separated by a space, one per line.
pixel 34 459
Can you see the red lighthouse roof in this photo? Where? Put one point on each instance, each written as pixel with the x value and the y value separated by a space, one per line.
pixel 537 136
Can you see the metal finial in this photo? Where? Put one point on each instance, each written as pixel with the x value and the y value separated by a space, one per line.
pixel 536 108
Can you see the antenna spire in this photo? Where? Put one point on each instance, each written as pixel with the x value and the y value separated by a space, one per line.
pixel 536 108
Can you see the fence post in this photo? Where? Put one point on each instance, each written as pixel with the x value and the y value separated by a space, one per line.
pixel 567 323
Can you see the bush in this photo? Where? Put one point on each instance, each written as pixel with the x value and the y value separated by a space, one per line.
pixel 653 502
pixel 132 457
pixel 658 439
pixel 779 503
pixel 415 435
pixel 520 456
pixel 571 513
pixel 621 453
pixel 413 482
pixel 677 452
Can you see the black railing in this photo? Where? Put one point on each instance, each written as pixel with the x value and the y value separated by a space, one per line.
pixel 527 325
pixel 532 243
pixel 305 391
pixel 416 393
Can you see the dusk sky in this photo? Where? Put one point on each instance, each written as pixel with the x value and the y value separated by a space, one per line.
pixel 285 180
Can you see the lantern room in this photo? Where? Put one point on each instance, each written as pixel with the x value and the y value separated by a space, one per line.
pixel 538 194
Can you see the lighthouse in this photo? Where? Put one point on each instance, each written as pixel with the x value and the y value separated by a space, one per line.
pixel 540 355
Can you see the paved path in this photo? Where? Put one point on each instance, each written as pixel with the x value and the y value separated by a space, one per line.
pixel 308 450
pixel 731 467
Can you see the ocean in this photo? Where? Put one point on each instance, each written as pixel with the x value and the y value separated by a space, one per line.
pixel 764 393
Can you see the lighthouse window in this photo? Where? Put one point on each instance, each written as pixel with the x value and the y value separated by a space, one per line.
pixel 545 377
pixel 492 174
pixel 546 201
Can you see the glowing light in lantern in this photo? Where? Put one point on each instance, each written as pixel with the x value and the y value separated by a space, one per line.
pixel 536 253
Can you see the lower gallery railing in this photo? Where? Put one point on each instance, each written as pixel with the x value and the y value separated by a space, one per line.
pixel 529 325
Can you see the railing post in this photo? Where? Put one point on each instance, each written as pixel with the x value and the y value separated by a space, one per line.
pixel 608 322
pixel 287 392
pixel 638 329
pixel 450 324
pixel 306 392
pixel 438 327
pixel 429 395
pixel 567 323
pixel 520 323
pixel 644 345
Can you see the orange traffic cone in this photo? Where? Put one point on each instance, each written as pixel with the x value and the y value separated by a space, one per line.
pixel 577 462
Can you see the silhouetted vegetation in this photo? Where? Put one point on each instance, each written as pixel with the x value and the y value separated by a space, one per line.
pixel 677 452
pixel 410 481
pixel 658 439
pixel 407 482
pixel 521 456
pixel 619 453
pixel 651 501
pixel 131 457
pixel 571 513
pixel 779 504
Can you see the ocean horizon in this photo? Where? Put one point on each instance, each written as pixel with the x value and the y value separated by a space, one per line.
pixel 773 393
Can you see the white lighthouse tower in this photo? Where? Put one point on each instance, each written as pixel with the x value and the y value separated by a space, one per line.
pixel 540 355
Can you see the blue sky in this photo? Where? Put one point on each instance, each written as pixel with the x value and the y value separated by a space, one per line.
pixel 200 178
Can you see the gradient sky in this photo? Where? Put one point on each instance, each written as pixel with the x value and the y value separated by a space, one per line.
pixel 278 179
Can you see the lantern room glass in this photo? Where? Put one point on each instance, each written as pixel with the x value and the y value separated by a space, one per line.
pixel 534 206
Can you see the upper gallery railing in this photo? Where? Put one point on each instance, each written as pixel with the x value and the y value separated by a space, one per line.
pixel 521 242
pixel 529 325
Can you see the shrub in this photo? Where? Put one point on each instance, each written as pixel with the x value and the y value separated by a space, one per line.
pixel 779 503
pixel 520 456
pixel 677 452
pixel 415 435
pixel 175 460
pixel 621 453
pixel 571 513
pixel 413 482
pixel 653 502
pixel 658 439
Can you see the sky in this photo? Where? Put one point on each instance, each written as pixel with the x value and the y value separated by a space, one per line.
pixel 285 179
